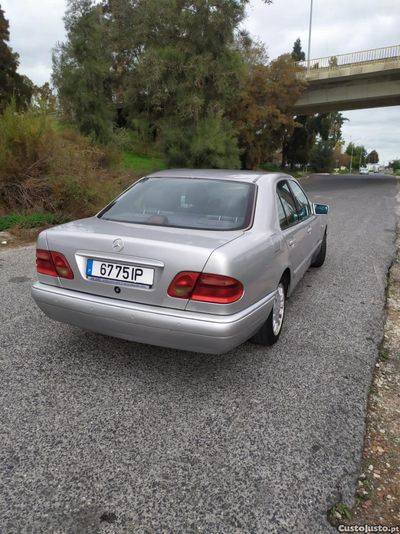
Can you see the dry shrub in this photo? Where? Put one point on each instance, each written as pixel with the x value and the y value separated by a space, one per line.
pixel 26 151
pixel 42 170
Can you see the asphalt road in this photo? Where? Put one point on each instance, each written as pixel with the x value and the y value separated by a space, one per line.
pixel 99 435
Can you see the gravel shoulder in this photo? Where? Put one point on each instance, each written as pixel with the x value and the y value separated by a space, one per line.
pixel 377 497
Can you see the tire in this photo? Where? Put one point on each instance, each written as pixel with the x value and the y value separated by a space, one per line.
pixel 320 259
pixel 270 331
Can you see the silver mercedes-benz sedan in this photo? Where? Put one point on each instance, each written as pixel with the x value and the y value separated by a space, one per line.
pixel 200 260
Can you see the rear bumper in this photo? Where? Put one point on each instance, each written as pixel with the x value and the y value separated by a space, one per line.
pixel 196 332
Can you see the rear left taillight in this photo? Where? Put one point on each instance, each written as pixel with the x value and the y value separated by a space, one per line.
pixel 44 263
pixel 62 266
pixel 53 264
pixel 212 288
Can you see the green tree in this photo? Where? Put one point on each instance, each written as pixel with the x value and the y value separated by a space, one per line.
pixel 373 157
pixel 336 121
pixel 173 66
pixel 321 156
pixel 187 64
pixel 44 98
pixel 359 155
pixel 11 83
pixel 297 52
pixel 264 113
pixel 178 69
pixel 297 147
pixel 82 70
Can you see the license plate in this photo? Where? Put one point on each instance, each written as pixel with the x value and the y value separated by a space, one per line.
pixel 105 271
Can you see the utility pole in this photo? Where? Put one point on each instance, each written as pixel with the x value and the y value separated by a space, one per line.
pixel 309 36
pixel 351 157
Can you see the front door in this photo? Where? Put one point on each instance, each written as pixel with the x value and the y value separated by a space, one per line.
pixel 295 231
pixel 306 214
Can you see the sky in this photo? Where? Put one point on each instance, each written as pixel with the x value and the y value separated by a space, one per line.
pixel 338 27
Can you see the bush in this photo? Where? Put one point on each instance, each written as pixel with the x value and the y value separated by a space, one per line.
pixel 122 139
pixel 321 157
pixel 26 147
pixel 209 144
pixel 47 171
pixel 143 135
pixel 270 167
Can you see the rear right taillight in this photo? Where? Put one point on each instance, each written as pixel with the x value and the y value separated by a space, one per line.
pixel 217 289
pixel 183 284
pixel 204 287
pixel 53 264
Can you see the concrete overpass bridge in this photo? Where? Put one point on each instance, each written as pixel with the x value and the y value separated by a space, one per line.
pixel 360 80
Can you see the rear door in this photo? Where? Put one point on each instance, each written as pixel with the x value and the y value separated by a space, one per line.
pixel 294 230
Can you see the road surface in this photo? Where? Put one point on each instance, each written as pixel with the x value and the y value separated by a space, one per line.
pixel 99 435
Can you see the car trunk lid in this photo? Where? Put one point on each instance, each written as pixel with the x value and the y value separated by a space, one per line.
pixel 160 252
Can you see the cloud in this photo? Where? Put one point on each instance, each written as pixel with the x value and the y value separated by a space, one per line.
pixel 35 27
pixel 376 129
pixel 338 27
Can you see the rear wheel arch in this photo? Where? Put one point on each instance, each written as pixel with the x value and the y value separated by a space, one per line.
pixel 286 278
pixel 319 259
pixel 269 332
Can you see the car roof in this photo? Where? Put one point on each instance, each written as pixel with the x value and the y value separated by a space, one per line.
pixel 218 174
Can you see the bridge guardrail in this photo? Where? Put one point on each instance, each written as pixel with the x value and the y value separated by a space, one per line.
pixel 354 59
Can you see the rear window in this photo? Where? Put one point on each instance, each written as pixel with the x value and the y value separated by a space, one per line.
pixel 185 203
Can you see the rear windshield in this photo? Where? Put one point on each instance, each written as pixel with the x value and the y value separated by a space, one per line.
pixel 185 203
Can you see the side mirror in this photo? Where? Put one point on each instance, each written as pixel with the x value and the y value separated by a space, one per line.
pixel 321 209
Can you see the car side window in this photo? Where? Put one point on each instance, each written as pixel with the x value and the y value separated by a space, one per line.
pixel 281 213
pixel 303 204
pixel 288 202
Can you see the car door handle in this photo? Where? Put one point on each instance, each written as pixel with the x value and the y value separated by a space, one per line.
pixel 309 230
pixel 292 242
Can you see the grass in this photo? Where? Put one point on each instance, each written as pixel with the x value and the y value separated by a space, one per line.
pixel 383 355
pixel 56 123
pixel 34 220
pixel 138 163
pixel 270 167
pixel 131 161
pixel 362 496
pixel 342 509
